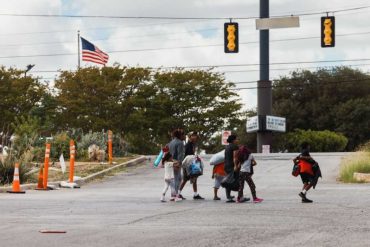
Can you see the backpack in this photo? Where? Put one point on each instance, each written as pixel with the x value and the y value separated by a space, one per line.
pixel 195 168
pixel 243 153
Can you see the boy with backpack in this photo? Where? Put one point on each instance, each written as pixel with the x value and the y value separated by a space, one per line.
pixel 190 151
pixel 192 169
pixel 308 169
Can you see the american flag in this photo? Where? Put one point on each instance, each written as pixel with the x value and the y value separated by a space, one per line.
pixel 92 53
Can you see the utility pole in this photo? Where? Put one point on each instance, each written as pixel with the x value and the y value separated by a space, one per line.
pixel 264 91
pixel 78 50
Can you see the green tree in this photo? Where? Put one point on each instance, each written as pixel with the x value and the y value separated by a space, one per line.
pixel 143 104
pixel 19 95
pixel 325 100
pixel 96 99
pixel 193 99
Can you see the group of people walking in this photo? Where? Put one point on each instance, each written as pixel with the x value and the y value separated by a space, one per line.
pixel 181 165
pixel 177 156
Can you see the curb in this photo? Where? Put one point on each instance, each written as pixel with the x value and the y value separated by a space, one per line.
pixel 130 163
pixel 84 180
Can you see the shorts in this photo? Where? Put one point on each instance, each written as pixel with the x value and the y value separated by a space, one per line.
pixel 185 175
pixel 218 180
pixel 306 178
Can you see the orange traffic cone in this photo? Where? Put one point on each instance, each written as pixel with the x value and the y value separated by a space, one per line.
pixel 16 183
pixel 40 184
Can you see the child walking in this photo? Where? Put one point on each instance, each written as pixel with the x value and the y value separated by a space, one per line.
pixel 169 178
pixel 218 174
pixel 246 163
pixel 309 171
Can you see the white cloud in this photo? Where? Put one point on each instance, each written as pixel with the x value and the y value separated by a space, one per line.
pixel 122 34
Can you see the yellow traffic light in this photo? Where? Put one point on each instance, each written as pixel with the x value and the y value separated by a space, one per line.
pixel 328 31
pixel 231 37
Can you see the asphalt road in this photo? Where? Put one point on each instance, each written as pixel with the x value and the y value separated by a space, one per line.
pixel 125 211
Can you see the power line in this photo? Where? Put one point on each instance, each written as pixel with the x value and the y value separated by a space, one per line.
pixel 125 17
pixel 172 48
pixel 97 28
pixel 174 18
pixel 295 68
pixel 273 63
pixel 295 85
pixel 318 78
pixel 239 65
pixel 194 46
pixel 116 38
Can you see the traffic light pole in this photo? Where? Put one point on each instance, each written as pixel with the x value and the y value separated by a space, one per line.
pixel 264 91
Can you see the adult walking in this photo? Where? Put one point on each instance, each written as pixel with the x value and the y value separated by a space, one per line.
pixel 190 150
pixel 231 162
pixel 177 150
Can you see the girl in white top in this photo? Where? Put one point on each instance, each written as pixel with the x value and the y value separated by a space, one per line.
pixel 169 177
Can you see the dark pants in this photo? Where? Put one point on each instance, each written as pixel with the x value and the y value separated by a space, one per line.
pixel 246 177
pixel 228 191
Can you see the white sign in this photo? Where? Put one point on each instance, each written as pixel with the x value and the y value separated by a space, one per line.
pixel 280 22
pixel 62 163
pixel 252 124
pixel 265 149
pixel 224 136
pixel 275 123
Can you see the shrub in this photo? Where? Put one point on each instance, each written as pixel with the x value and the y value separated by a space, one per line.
pixel 358 162
pixel 20 151
pixel 97 138
pixel 320 141
pixel 60 145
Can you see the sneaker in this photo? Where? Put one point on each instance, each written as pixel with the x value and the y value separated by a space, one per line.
pixel 243 199
pixel 183 198
pixel 305 200
pixel 172 199
pixel 216 198
pixel 258 200
pixel 303 196
pixel 178 199
pixel 163 200
pixel 198 197
pixel 230 200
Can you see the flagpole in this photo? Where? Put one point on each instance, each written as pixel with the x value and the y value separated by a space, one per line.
pixel 78 44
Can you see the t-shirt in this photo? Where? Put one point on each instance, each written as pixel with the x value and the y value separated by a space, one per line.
pixel 189 149
pixel 219 170
pixel 177 149
pixel 246 166
pixel 168 170
pixel 229 157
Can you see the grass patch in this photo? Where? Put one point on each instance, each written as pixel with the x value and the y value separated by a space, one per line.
pixel 358 162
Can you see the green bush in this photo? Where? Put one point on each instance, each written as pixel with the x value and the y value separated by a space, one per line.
pixel 320 141
pixel 60 145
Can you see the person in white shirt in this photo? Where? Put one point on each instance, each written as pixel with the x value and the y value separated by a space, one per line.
pixel 169 176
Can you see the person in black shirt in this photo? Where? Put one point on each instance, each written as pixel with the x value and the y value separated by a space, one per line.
pixel 306 171
pixel 231 160
pixel 190 150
